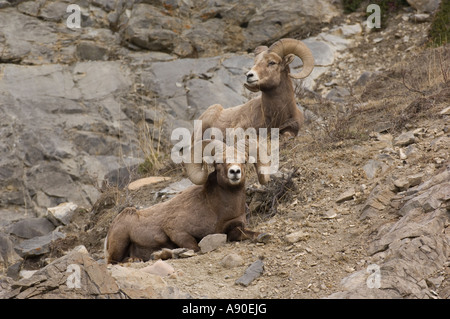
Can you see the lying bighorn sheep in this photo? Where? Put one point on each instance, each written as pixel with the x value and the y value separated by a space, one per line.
pixel 276 107
pixel 218 206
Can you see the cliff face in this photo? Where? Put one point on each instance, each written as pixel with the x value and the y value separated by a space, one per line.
pixel 79 103
pixel 87 109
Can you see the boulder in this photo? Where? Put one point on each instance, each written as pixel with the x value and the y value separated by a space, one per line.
pixel 61 214
pixel 149 28
pixel 31 227
pixel 37 246
pixel 378 200
pixel 8 256
pixel 405 139
pixel 372 168
pixel 75 275
pixel 136 283
pixel 231 261
pixel 424 5
pixel 160 268
pixel 273 21
pixel 212 242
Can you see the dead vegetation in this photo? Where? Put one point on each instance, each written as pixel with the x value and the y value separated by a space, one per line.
pixel 263 202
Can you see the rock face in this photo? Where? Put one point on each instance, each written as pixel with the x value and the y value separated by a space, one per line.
pixel 77 105
pixel 201 28
pixel 407 254
pixel 75 275
pixel 65 129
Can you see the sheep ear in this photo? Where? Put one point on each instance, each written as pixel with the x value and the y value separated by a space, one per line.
pixel 260 49
pixel 288 59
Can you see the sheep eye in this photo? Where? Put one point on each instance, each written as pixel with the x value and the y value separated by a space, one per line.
pixel 272 63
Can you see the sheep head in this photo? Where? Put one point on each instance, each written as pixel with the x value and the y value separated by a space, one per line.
pixel 229 163
pixel 271 62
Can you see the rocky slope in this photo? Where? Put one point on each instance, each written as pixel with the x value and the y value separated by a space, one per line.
pixel 363 205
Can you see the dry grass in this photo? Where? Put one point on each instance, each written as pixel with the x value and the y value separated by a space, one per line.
pixel 150 142
pixel 263 202
pixel 394 100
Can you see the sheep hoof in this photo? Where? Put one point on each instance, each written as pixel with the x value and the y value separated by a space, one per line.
pixel 263 238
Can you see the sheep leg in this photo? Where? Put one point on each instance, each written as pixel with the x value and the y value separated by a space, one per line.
pixel 290 128
pixel 184 240
pixel 240 233
pixel 118 249
pixel 236 232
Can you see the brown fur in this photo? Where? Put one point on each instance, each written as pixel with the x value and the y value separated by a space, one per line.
pixel 215 207
pixel 275 108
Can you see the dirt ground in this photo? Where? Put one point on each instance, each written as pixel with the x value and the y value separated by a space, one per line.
pixel 328 157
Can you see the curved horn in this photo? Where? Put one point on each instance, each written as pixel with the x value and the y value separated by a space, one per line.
pixel 198 172
pixel 284 47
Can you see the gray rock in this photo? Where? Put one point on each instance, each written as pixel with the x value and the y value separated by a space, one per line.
pixel 231 261
pixel 410 251
pixel 347 30
pixel 297 236
pixel 8 256
pixel 32 82
pixel 175 187
pixel 405 139
pixel 212 242
pixel 372 168
pixel 365 77
pixel 347 195
pixel 275 20
pixel 201 93
pixel 75 275
pixel 38 245
pixel 26 39
pixel 323 52
pixel 377 201
pixel 136 283
pixel 149 28
pixel 54 11
pixel 31 227
pixel 159 268
pixel 61 214
pixel 424 5
pixel 338 94
pixel 421 17
pixel 91 51
pixel 406 182
pixel 69 131
pixel 254 271
pixel 92 79
pixel 162 77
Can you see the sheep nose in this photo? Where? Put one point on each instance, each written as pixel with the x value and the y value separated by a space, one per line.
pixel 250 75
pixel 235 171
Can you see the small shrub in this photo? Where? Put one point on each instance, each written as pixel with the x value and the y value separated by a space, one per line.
pixel 439 33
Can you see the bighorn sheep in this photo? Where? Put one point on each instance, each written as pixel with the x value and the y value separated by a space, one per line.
pixel 276 106
pixel 217 206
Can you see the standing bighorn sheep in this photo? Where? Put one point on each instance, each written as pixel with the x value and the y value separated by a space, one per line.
pixel 217 206
pixel 276 106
